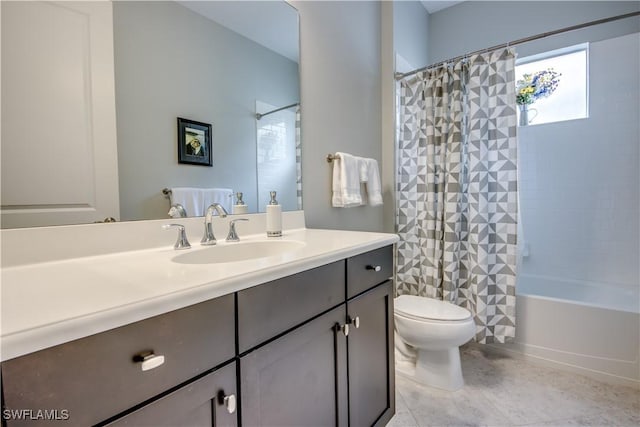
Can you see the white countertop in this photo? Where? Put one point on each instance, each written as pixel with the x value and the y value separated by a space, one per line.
pixel 49 303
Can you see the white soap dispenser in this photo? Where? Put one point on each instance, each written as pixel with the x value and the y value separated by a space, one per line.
pixel 274 217
pixel 240 207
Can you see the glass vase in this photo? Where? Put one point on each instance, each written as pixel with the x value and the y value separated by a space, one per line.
pixel 524 114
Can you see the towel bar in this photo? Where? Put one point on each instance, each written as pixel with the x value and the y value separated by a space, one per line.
pixel 332 157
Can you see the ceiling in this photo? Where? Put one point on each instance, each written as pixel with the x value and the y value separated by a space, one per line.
pixel 433 6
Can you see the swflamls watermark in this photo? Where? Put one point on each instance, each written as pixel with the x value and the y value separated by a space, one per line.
pixel 36 414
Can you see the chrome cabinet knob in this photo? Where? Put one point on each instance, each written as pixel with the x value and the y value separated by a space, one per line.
pixel 229 402
pixel 148 360
pixel 345 329
pixel 342 328
pixel 355 321
pixel 375 268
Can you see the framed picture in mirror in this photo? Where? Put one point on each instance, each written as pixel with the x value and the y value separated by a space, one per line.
pixel 194 143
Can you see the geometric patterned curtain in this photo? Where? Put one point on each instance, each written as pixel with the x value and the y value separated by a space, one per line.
pixel 298 159
pixel 457 189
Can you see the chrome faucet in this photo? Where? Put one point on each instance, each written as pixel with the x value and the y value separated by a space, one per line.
pixel 177 211
pixel 209 239
pixel 233 235
pixel 182 242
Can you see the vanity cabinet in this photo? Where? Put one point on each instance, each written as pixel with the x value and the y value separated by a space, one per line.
pixel 335 368
pixel 97 377
pixel 311 349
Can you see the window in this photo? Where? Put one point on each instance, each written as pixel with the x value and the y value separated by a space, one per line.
pixel 569 101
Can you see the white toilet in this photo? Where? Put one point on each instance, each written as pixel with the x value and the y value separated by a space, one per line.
pixel 428 334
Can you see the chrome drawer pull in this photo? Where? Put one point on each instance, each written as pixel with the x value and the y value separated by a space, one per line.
pixel 148 360
pixel 229 401
pixel 375 268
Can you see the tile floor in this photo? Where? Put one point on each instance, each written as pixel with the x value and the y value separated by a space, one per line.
pixel 504 391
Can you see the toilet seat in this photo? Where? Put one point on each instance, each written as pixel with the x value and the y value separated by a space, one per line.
pixel 421 308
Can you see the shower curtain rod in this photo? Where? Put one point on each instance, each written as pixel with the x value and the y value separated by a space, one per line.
pixel 259 116
pixel 520 41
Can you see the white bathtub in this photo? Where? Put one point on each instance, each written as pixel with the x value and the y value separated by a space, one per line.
pixel 590 328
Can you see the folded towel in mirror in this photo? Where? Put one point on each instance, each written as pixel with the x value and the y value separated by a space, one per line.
pixel 195 201
pixel 223 196
pixel 190 198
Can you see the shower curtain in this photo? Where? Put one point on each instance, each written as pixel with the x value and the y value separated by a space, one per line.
pixel 298 159
pixel 457 189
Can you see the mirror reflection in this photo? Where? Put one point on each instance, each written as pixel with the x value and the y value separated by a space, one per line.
pixel 231 65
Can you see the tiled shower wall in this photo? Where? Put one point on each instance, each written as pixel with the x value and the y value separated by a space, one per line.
pixel 579 182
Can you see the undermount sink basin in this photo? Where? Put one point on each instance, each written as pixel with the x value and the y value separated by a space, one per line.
pixel 241 251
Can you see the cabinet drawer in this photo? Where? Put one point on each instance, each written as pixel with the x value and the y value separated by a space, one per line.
pixel 269 309
pixel 367 270
pixel 97 377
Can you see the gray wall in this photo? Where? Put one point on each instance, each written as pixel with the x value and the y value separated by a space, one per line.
pixel 171 62
pixel 474 25
pixel 411 32
pixel 341 102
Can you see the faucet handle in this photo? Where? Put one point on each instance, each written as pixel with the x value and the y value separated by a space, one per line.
pixel 182 242
pixel 208 239
pixel 233 235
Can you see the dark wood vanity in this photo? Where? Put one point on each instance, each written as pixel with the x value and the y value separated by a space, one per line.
pixel 314 348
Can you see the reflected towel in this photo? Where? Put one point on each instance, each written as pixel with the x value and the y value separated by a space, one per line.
pixel 346 181
pixel 223 196
pixel 190 198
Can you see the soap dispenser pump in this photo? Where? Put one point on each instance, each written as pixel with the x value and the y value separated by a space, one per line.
pixel 274 217
pixel 240 207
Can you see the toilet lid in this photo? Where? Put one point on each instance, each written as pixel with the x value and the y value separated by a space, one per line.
pixel 429 308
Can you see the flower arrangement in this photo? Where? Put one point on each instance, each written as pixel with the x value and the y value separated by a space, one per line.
pixel 538 85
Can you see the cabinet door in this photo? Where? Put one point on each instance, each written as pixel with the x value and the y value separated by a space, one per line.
pixel 370 354
pixel 299 379
pixel 209 401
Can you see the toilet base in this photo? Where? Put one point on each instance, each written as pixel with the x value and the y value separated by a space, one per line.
pixel 434 368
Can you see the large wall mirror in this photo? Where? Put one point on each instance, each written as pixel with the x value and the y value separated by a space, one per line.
pixel 91 94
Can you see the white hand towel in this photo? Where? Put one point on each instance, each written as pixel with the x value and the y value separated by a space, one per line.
pixel 346 181
pixel 190 198
pixel 218 195
pixel 370 174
